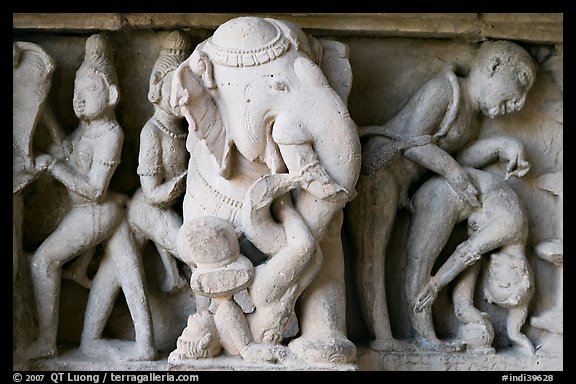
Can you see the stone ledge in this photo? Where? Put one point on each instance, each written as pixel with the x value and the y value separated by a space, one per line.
pixel 368 360
pixel 544 28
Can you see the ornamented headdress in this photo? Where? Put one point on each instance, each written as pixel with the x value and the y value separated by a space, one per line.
pixel 246 42
pixel 174 51
pixel 98 58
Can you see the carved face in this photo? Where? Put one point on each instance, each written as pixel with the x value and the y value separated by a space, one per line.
pixel 509 281
pixel 504 91
pixel 91 95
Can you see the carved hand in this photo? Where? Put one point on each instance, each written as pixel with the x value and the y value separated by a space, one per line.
pixel 427 296
pixel 464 188
pixel 316 181
pixel 512 152
pixel 517 167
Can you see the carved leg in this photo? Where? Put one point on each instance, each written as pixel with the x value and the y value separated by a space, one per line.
pixel 105 289
pixel 172 282
pixel 279 282
pixel 130 272
pixel 161 225
pixel 236 337
pixel 551 319
pixel 45 270
pixel 17 217
pixel 422 248
pixel 370 218
pixel 514 322
pixel 323 307
pixel 476 330
pixel 66 242
pixel 77 269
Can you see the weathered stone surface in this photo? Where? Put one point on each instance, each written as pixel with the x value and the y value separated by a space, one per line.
pixel 302 311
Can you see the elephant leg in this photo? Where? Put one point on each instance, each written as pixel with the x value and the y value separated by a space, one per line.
pixel 323 307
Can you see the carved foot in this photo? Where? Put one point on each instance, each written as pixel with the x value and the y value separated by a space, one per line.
pixel 256 352
pixel 478 335
pixel 118 350
pixel 523 344
pixel 268 322
pixel 324 350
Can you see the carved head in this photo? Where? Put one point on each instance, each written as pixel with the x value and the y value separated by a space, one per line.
pixel 200 338
pixel 211 245
pixel 96 85
pixel 174 51
pixel 248 43
pixel 501 75
pixel 508 279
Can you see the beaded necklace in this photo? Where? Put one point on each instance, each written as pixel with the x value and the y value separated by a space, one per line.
pixel 165 130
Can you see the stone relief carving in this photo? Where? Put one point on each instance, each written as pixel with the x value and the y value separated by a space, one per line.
pixel 245 205
pixel 96 216
pixel 162 165
pixel 275 154
pixel 31 81
pixel 498 228
pixel 437 121
pixel 552 250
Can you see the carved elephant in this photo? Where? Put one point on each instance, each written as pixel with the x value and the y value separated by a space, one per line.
pixel 259 105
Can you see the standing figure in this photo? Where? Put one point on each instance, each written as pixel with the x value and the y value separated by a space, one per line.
pixel 438 120
pixel 96 215
pixel 162 164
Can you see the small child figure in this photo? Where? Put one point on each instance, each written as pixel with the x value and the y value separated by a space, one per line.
pixel 221 271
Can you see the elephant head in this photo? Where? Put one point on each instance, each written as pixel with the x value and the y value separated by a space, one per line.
pixel 267 96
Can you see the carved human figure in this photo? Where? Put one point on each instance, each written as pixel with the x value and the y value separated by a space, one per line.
pixel 437 121
pixel 498 228
pixel 268 127
pixel 221 272
pixel 96 215
pixel 162 164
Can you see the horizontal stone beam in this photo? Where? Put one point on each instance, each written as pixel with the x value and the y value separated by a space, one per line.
pixel 544 28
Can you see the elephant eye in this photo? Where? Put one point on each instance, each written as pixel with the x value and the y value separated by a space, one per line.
pixel 279 86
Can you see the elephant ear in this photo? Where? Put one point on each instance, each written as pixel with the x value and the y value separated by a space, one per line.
pixel 335 64
pixel 205 122
pixel 332 56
